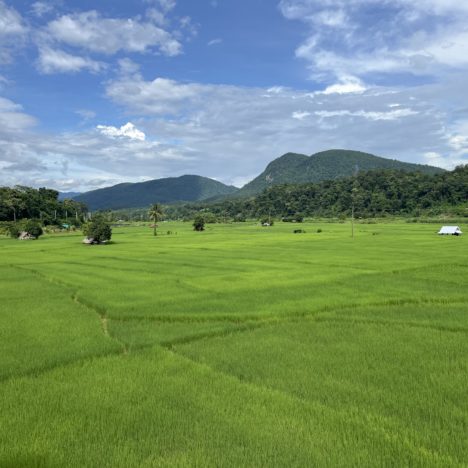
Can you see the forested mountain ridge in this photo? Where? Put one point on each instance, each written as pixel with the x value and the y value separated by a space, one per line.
pixel 294 168
pixel 168 190
pixel 373 193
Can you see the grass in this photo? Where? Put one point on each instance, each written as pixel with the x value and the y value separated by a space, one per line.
pixel 238 346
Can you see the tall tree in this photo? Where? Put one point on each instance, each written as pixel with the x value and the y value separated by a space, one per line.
pixel 155 214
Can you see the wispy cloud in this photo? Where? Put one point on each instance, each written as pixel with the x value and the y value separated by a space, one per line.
pixel 214 42
pixel 57 61
pixel 13 32
pixel 365 38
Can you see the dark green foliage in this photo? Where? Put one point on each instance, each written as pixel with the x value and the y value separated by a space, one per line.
pixel 25 202
pixel 199 223
pixel 155 214
pixel 374 194
pixel 13 229
pixel 98 229
pixel 297 218
pixel 293 168
pixel 33 228
pixel 173 189
pixel 267 221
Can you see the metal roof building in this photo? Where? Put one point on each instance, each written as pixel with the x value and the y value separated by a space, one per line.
pixel 450 230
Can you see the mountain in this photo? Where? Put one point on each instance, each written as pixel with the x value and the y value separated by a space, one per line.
pixel 293 168
pixel 172 189
pixel 68 195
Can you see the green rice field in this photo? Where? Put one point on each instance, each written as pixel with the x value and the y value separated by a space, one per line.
pixel 239 346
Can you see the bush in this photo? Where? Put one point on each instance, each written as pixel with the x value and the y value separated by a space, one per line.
pixel 239 218
pixel 267 222
pixel 319 230
pixel 98 229
pixel 199 223
pixel 209 218
pixel 33 228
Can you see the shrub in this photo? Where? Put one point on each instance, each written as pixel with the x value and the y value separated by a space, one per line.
pixel 209 218
pixel 319 230
pixel 199 223
pixel 33 228
pixel 98 229
pixel 239 218
pixel 267 222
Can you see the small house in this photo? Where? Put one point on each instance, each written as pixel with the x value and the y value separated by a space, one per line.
pixel 450 231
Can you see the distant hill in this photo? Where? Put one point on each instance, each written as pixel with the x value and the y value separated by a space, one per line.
pixel 68 195
pixel 294 168
pixel 169 190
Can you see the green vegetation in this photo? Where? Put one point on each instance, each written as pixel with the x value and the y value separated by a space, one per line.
pixel 293 168
pixel 199 223
pixel 98 230
pixel 169 190
pixel 374 194
pixel 236 346
pixel 155 213
pixel 25 202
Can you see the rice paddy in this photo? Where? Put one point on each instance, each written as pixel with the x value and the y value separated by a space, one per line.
pixel 237 346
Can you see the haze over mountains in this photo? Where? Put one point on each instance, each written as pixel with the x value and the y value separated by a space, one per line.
pixel 291 168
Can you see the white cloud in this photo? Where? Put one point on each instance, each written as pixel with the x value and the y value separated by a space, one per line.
pixel 54 60
pixel 371 115
pixel 128 131
pixel 41 8
pixel 91 31
pixel 232 132
pixel 158 96
pixel 13 32
pixel 345 86
pixel 164 5
pixel 11 23
pixel 214 42
pixel 12 117
pixel 300 115
pixel 86 114
pixel 364 37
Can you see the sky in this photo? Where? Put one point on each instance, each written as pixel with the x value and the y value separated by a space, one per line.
pixel 97 93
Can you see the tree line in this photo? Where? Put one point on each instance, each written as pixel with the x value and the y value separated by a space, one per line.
pixel 22 202
pixel 371 194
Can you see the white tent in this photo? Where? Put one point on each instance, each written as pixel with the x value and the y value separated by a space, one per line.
pixel 450 230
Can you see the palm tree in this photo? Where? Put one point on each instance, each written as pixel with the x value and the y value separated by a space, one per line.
pixel 155 214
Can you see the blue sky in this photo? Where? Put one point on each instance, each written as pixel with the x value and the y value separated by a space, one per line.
pixel 97 93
